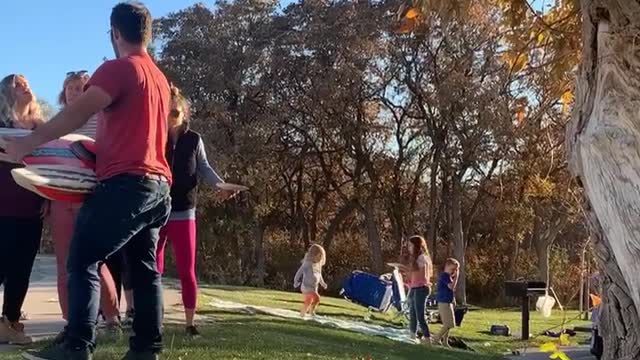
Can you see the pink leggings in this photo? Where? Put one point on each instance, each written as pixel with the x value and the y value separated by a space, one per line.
pixel 182 236
pixel 62 218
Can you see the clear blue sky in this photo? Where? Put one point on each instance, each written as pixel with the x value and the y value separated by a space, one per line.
pixel 53 37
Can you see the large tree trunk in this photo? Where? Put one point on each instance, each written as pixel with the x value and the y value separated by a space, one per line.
pixel 375 245
pixel 604 141
pixel 335 223
pixel 433 209
pixel 458 238
pixel 542 249
pixel 259 254
pixel 543 240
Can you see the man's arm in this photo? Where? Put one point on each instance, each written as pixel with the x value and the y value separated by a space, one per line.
pixel 73 116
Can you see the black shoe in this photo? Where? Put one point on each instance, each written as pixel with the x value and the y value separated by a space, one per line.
pixel 58 353
pixel 192 331
pixel 61 337
pixel 128 318
pixel 141 356
pixel 112 331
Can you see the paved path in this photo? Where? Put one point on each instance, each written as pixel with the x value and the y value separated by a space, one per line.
pixel 574 353
pixel 41 304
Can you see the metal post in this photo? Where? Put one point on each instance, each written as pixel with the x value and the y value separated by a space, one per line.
pixel 525 318
pixel 582 275
pixel 587 292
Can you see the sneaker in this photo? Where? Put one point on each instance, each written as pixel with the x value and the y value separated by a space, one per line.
pixel 13 333
pixel 58 353
pixel 192 331
pixel 24 316
pixel 140 356
pixel 112 331
pixel 128 318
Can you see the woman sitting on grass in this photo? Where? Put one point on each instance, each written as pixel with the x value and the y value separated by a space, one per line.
pixel 308 277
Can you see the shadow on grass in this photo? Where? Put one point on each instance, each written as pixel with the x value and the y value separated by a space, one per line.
pixel 236 336
pixel 269 337
pixel 230 288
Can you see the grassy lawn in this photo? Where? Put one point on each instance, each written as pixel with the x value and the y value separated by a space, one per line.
pixel 242 336
pixel 474 329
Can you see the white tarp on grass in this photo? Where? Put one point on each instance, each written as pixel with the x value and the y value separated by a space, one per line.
pixel 395 334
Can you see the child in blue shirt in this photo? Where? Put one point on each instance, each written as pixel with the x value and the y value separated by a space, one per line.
pixel 446 287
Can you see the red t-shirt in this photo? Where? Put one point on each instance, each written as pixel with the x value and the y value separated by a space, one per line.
pixel 132 132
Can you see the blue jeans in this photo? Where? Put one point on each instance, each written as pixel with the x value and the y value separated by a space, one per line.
pixel 417 305
pixel 124 212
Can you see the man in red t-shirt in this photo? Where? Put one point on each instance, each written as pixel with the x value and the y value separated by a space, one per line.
pixel 131 202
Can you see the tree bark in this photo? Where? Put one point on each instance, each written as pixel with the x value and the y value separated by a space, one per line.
pixel 543 240
pixel 334 224
pixel 259 254
pixel 458 238
pixel 432 238
pixel 542 250
pixel 375 245
pixel 603 141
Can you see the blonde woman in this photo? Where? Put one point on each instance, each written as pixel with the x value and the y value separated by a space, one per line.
pixel 189 165
pixel 20 212
pixel 309 277
pixel 62 217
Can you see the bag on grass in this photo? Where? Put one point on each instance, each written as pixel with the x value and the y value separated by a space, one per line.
pixel 545 304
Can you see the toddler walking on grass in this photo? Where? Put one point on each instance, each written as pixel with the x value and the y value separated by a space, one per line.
pixel 309 277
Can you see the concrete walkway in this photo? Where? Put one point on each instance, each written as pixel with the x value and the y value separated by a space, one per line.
pixel 41 304
pixel 574 353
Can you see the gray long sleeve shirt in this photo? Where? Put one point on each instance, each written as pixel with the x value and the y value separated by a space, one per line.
pixel 308 277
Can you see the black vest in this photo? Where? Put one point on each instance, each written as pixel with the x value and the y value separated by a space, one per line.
pixel 182 159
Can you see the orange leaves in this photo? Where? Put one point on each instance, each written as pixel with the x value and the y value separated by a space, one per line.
pixel 566 99
pixel 412 14
pixel 409 21
pixel 406 26
pixel 521 110
pixel 516 61
pixel 520 113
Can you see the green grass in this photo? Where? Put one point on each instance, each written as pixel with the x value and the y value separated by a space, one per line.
pixel 235 336
pixel 474 329
pixel 241 336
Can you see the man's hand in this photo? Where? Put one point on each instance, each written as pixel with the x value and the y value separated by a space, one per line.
pixel 18 147
pixel 224 195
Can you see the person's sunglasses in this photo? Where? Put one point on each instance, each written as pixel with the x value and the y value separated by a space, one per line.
pixel 174 113
pixel 77 73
